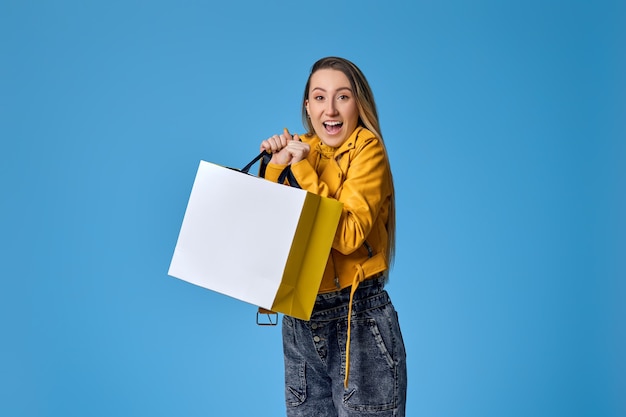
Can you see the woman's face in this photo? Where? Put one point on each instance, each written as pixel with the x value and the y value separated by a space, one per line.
pixel 332 106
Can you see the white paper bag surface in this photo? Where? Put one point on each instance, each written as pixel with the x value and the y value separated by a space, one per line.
pixel 227 241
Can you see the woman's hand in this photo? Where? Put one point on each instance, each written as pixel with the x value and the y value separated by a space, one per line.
pixel 285 148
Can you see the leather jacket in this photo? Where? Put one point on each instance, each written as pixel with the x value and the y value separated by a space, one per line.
pixel 357 174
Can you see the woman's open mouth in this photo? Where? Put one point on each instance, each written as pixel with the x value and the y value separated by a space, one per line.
pixel 332 127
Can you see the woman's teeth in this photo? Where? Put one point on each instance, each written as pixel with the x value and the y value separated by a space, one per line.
pixel 333 127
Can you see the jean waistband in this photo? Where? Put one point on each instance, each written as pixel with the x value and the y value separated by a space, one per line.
pixel 378 281
pixel 335 305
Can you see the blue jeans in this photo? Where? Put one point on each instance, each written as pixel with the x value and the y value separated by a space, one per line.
pixel 315 353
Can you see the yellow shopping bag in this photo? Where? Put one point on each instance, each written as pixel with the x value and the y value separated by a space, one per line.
pixel 278 270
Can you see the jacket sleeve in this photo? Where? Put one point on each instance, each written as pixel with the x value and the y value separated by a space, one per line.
pixel 304 173
pixel 273 171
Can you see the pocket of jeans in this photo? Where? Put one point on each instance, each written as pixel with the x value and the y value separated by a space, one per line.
pixel 295 385
pixel 372 380
pixel 295 367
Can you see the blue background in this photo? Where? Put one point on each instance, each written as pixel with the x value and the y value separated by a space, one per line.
pixel 505 126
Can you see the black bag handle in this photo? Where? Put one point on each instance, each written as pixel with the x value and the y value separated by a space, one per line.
pixel 288 175
pixel 285 175
pixel 249 165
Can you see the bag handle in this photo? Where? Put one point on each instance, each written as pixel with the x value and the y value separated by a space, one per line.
pixel 249 165
pixel 285 175
pixel 288 175
pixel 271 317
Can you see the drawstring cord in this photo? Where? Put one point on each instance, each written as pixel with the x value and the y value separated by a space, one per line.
pixel 358 278
pixel 374 266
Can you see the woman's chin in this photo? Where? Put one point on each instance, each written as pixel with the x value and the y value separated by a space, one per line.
pixel 333 140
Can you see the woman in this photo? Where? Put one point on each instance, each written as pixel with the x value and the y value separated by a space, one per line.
pixel 349 359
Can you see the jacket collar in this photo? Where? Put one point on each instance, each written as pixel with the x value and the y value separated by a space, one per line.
pixel 349 143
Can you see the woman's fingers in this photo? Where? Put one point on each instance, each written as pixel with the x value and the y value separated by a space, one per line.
pixel 285 148
pixel 298 150
pixel 286 134
pixel 273 144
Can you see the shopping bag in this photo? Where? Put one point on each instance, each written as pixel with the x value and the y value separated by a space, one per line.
pixel 258 241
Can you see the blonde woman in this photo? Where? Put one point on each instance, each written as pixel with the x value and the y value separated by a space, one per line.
pixel 349 359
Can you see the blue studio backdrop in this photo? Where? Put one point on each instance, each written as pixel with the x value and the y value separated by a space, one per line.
pixel 505 127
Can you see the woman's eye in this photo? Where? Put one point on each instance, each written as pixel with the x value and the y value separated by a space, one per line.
pixel 319 98
pixel 343 97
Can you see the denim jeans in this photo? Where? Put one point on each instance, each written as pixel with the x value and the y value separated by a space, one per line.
pixel 315 354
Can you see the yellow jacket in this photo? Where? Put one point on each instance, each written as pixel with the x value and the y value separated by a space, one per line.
pixel 357 174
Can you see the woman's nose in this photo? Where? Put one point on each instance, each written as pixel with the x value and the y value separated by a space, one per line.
pixel 331 108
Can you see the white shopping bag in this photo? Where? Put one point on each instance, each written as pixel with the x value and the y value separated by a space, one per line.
pixel 258 241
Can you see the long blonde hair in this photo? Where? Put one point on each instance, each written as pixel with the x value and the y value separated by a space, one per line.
pixel 368 118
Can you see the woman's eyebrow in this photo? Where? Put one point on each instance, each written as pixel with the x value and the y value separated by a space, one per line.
pixel 339 89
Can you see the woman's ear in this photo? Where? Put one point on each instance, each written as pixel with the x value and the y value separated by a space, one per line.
pixel 306 105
